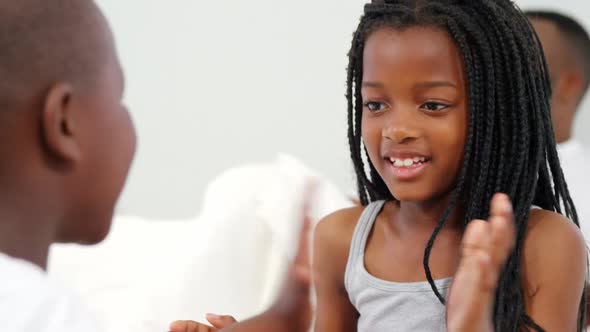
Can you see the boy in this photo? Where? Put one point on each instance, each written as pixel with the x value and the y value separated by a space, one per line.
pixel 68 145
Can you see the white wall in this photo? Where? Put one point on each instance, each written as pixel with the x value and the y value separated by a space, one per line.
pixel 214 84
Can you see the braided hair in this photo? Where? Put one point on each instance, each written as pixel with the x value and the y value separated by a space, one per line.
pixel 510 145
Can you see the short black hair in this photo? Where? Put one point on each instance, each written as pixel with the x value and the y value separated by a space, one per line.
pixel 575 34
pixel 45 42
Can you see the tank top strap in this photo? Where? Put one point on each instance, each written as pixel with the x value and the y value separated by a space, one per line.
pixel 359 238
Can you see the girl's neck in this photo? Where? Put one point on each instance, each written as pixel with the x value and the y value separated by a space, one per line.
pixel 427 214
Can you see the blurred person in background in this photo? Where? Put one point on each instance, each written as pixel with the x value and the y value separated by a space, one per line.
pixel 567 49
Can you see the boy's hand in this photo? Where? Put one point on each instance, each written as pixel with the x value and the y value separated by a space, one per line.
pixel 292 310
pixel 217 322
pixel 293 303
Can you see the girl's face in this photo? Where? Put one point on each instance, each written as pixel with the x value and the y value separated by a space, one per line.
pixel 415 112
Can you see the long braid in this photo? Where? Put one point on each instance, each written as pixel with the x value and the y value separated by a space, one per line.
pixel 484 97
pixel 460 183
pixel 354 137
pixel 499 99
pixel 510 145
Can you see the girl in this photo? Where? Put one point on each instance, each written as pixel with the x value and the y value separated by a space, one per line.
pixel 448 103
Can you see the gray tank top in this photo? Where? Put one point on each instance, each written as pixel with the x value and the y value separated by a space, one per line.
pixel 386 306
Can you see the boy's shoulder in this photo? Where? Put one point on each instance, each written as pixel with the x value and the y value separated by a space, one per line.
pixel 30 300
pixel 17 275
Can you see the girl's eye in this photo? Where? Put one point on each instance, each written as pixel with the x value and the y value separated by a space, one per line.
pixel 434 106
pixel 374 106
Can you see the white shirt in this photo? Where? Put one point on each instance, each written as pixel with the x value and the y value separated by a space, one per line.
pixel 574 162
pixel 31 302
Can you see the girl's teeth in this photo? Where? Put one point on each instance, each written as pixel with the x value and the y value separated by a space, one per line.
pixel 407 162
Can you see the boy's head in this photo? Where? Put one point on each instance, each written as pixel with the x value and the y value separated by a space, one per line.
pixel 67 139
pixel 567 49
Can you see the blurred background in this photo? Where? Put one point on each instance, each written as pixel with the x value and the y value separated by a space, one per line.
pixel 215 84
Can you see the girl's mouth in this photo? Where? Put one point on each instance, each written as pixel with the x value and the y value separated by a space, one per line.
pixel 408 168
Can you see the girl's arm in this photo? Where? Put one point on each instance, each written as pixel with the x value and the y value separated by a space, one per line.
pixel 332 238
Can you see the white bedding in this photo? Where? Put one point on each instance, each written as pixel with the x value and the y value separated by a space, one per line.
pixel 229 259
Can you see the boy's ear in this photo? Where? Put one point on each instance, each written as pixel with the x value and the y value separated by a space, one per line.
pixel 59 125
pixel 569 87
pixel 573 85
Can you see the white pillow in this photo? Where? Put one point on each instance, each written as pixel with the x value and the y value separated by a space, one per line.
pixel 230 259
pixel 282 209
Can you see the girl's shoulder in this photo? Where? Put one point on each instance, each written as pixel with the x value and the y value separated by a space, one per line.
pixel 332 241
pixel 553 244
pixel 336 229
pixel 551 228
